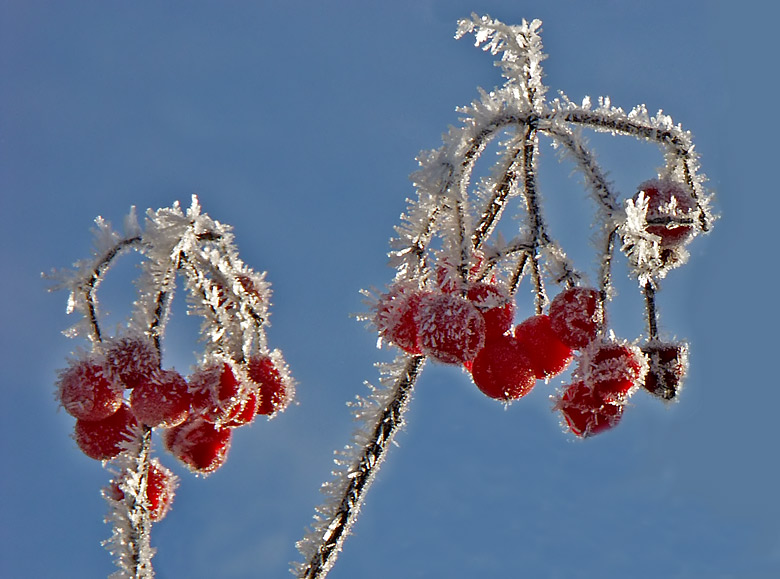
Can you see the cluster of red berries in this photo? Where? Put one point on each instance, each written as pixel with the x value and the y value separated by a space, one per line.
pixel 474 328
pixel 197 415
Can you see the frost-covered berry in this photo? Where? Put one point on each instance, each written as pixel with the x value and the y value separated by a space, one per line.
pixel 576 316
pixel 585 412
pixel 548 355
pixel 161 486
pixel 131 359
pixel 86 391
pixel 395 316
pixel 274 389
pixel 451 329
pixel 102 439
pixel 502 369
pixel 496 306
pixel 671 210
pixel 215 392
pixel 244 412
pixel 200 445
pixel 667 364
pixel 163 400
pixel 612 370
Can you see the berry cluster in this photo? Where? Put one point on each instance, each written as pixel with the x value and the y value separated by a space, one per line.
pixel 120 393
pixel 471 324
pixel 112 394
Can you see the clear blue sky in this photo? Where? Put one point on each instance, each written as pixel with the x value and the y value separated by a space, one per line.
pixel 298 123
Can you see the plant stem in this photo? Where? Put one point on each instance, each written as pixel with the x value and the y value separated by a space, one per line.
pixel 361 474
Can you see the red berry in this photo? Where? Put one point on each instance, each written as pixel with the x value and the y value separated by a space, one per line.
pixel 87 393
pixel 496 306
pixel 451 329
pixel 103 439
pixel 585 412
pixel 670 211
pixel 244 412
pixel 132 359
pixel 274 388
pixel 200 445
pixel 396 317
pixel 667 366
pixel 547 354
pixel 215 392
pixel 164 400
pixel 576 316
pixel 160 489
pixel 612 370
pixel 502 370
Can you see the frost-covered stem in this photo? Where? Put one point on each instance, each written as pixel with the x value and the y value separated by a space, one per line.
pixel 497 200
pixel 361 474
pixel 96 277
pixel 683 150
pixel 652 315
pixel 138 520
pixel 530 140
pixel 606 265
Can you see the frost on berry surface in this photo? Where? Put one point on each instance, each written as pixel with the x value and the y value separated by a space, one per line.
pixel 104 439
pixel 395 316
pixel 274 386
pixel 198 444
pixel 585 412
pixel 176 246
pixel 449 240
pixel 452 330
pixel 611 369
pixel 163 400
pixel 576 315
pixel 86 391
pixel 131 359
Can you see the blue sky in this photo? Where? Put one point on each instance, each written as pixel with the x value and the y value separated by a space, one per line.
pixel 298 123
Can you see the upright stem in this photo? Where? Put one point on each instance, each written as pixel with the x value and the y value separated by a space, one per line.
pixel 361 474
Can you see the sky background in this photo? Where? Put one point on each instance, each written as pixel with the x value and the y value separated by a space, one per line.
pixel 298 122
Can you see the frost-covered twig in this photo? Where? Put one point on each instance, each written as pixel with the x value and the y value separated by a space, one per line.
pixel 120 391
pixel 452 299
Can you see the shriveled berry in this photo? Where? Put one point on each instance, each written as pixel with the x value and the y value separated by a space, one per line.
pixel 667 365
pixel 274 388
pixel 496 306
pixel 671 210
pixel 201 446
pixel 163 400
pixel 502 369
pixel 548 355
pixel 395 316
pixel 576 316
pixel 161 486
pixel 452 330
pixel 612 370
pixel 585 412
pixel 87 393
pixel 102 439
pixel 131 359
pixel 215 392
